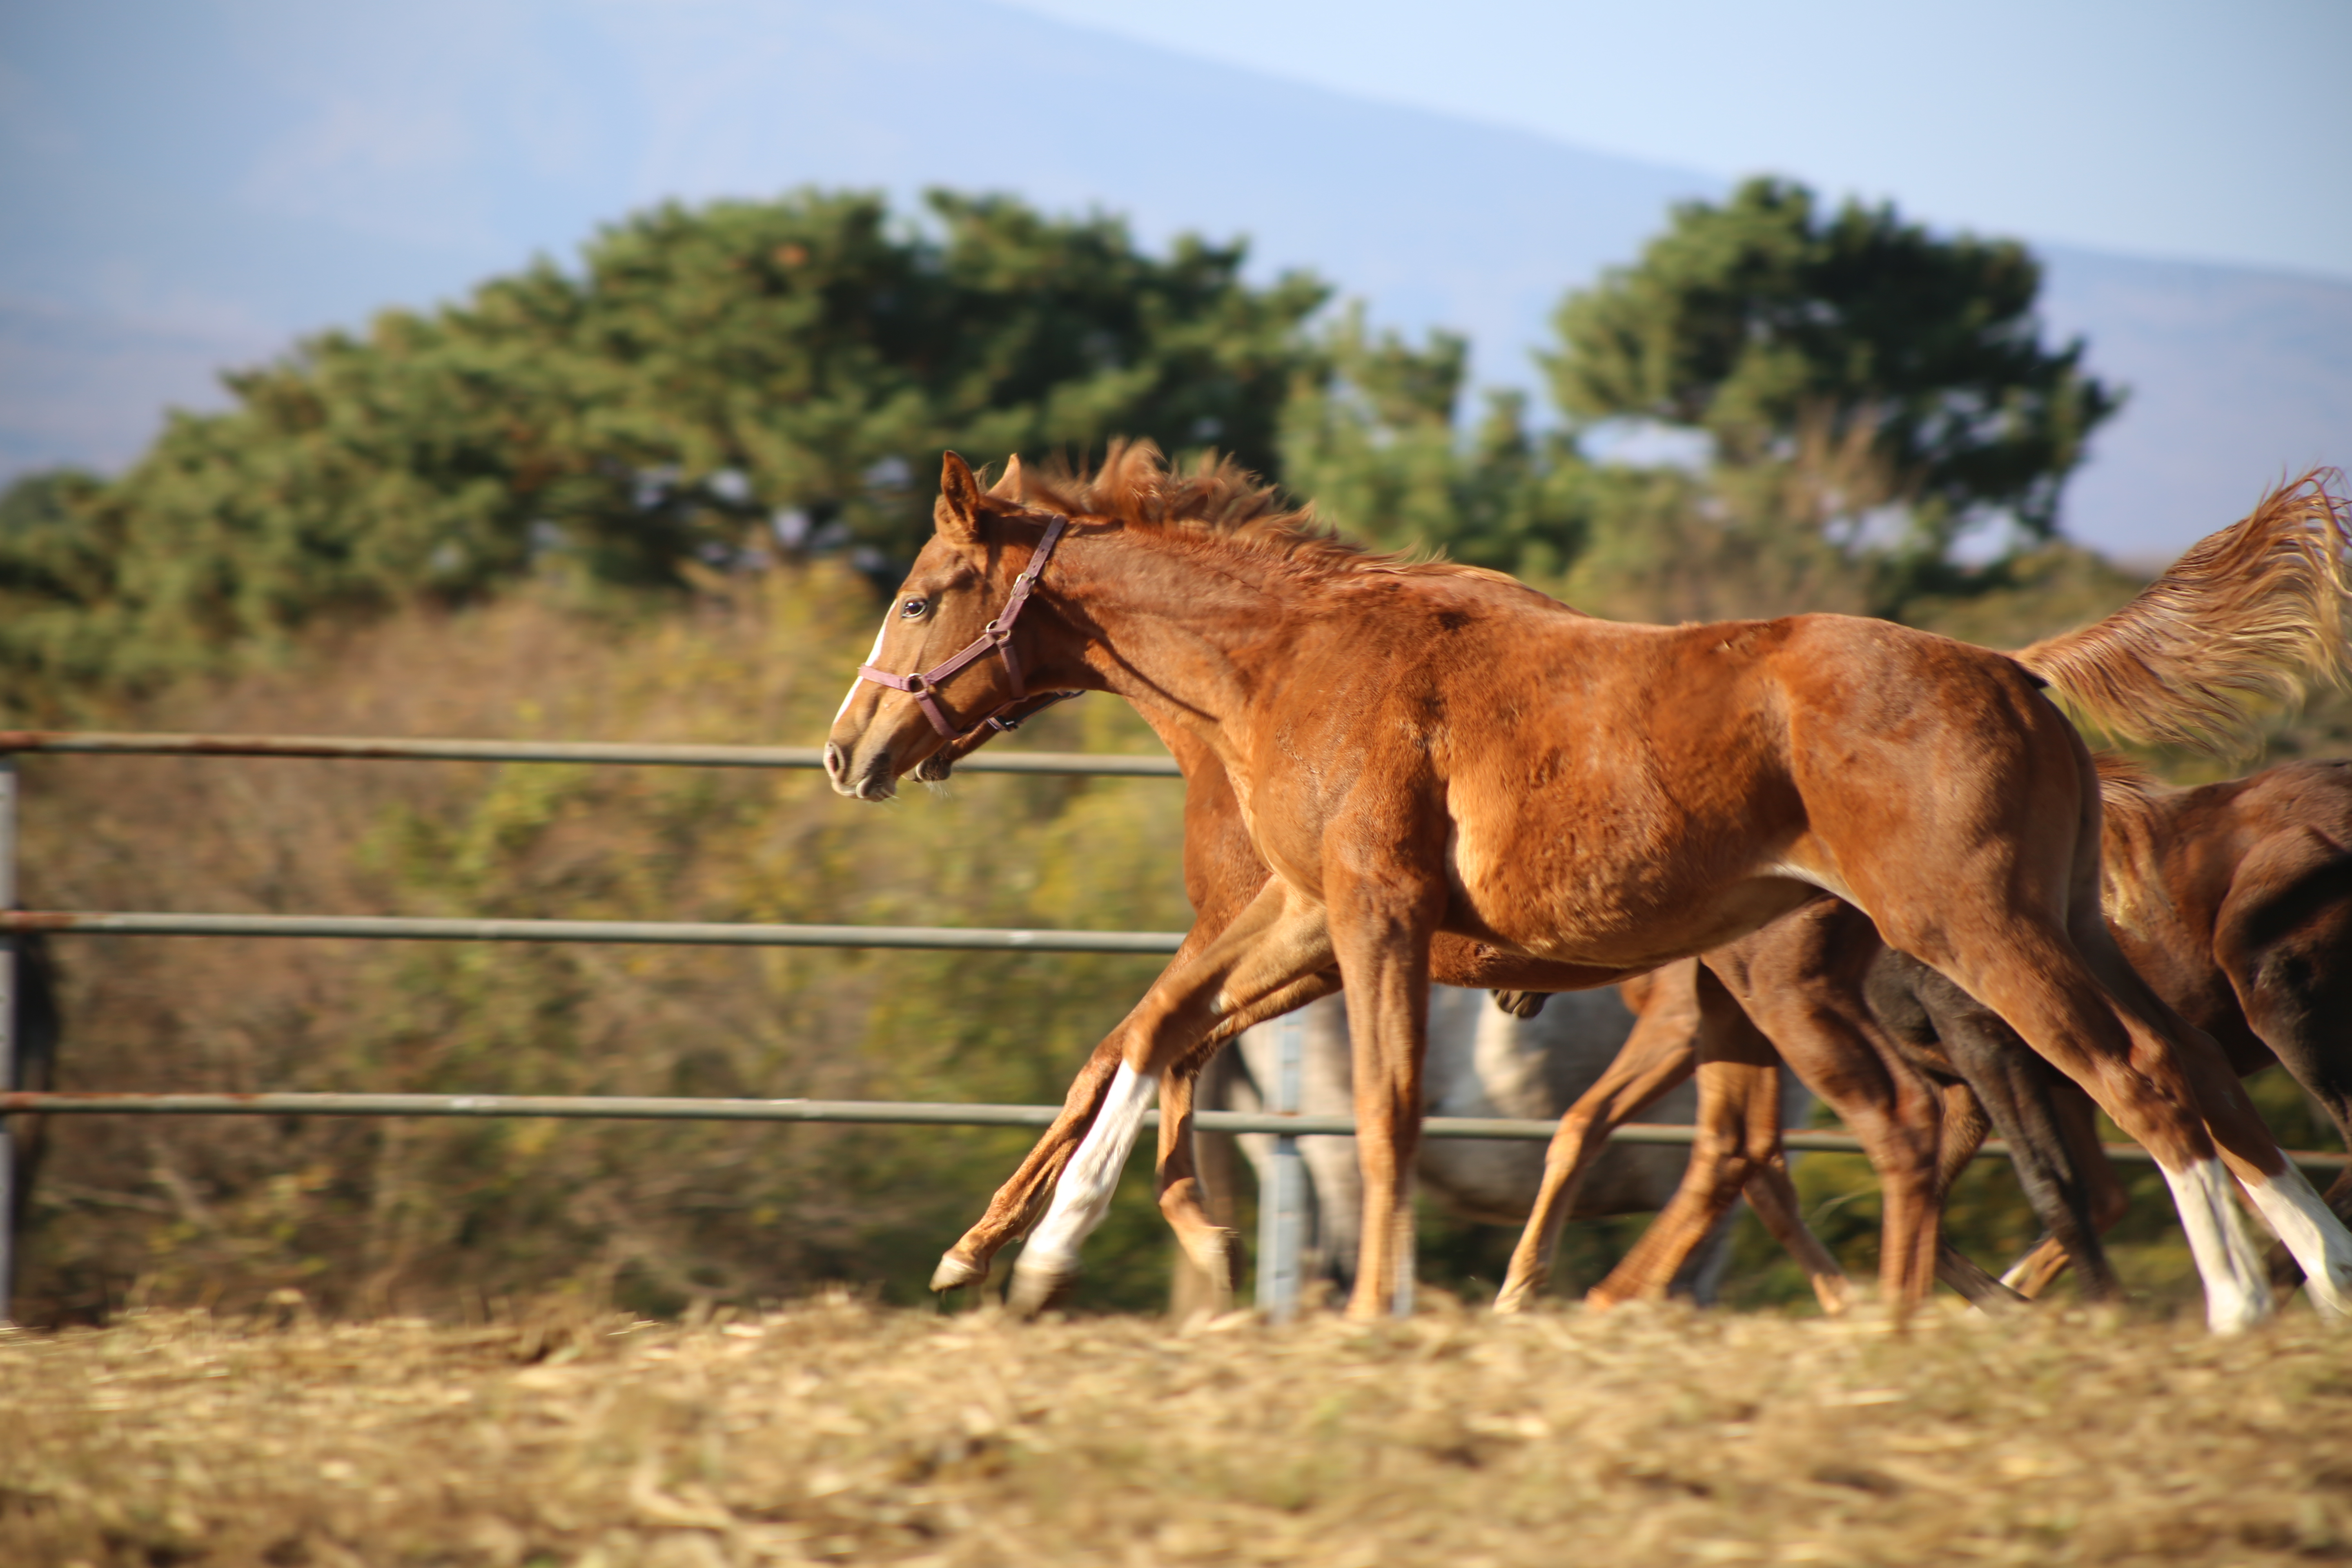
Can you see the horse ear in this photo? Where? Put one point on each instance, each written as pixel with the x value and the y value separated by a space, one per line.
pixel 1008 484
pixel 957 511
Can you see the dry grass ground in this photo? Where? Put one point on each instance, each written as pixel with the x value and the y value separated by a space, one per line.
pixel 838 1431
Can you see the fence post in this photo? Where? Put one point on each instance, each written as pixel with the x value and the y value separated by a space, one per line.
pixel 1282 1207
pixel 7 1037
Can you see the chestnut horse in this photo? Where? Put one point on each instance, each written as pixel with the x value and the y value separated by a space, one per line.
pixel 1418 748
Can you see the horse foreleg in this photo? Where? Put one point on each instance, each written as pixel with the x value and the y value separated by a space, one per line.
pixel 1016 1204
pixel 1276 948
pixel 1773 1196
pixel 1383 916
pixel 1661 1052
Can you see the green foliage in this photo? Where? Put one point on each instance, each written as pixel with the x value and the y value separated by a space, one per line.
pixel 1370 437
pixel 704 371
pixel 1901 368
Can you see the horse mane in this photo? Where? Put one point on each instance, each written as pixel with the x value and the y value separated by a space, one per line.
pixel 1135 487
pixel 2251 616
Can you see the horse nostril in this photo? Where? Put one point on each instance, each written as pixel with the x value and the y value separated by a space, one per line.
pixel 834 762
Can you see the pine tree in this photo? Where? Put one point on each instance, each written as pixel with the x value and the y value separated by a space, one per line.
pixel 1854 346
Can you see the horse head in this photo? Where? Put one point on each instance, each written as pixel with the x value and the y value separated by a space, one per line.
pixel 956 628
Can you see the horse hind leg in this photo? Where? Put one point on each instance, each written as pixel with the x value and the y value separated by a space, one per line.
pixel 2048 989
pixel 2280 1193
pixel 2013 1087
pixel 2286 946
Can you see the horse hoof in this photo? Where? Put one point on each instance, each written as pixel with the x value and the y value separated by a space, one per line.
pixel 955 1270
pixel 1520 1004
pixel 1037 1290
pixel 1514 1300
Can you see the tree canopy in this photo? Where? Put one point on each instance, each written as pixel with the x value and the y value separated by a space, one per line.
pixel 1372 436
pixel 782 376
pixel 1772 328
pixel 706 373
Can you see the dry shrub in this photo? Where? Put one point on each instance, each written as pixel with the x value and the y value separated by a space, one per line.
pixel 843 1432
pixel 422 1215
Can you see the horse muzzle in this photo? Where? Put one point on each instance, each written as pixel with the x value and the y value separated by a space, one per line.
pixel 870 779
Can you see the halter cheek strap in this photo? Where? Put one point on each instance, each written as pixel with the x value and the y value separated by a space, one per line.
pixel 994 637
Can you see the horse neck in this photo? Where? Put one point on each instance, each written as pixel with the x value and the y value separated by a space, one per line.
pixel 1172 623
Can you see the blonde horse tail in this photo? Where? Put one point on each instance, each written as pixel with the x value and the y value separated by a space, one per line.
pixel 2250 619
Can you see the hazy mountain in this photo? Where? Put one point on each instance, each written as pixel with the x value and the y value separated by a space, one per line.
pixel 187 186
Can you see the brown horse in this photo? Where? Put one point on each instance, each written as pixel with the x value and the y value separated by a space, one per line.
pixel 1427 748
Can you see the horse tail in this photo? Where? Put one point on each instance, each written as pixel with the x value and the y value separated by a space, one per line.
pixel 2250 618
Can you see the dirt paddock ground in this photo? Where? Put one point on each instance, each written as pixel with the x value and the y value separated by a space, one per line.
pixel 838 1431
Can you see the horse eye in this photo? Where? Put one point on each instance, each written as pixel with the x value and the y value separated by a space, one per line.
pixel 913 608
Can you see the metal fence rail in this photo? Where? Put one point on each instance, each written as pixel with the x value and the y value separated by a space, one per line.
pixel 377 748
pixel 12 922
pixel 899 1113
pixel 700 933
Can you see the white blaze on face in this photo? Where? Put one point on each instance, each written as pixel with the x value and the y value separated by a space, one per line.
pixel 857 680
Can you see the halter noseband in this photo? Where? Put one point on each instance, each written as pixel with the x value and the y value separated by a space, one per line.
pixel 994 637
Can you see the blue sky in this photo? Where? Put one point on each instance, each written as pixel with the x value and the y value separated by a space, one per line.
pixel 2219 132
pixel 186 185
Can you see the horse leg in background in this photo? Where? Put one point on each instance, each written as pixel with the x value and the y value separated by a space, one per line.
pixel 1275 950
pixel 1216 1161
pixel 1773 1196
pixel 1965 1126
pixel 1800 981
pixel 2033 1274
pixel 1735 1132
pixel 1660 1053
pixel 1210 1248
pixel 2015 1088
pixel 2295 984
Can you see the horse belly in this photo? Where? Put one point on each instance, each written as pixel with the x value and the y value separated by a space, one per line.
pixel 1624 902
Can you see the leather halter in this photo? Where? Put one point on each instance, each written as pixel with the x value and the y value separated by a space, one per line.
pixel 994 637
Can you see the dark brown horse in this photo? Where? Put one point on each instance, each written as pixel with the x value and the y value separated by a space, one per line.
pixel 2234 900
pixel 1417 748
pixel 1876 1034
